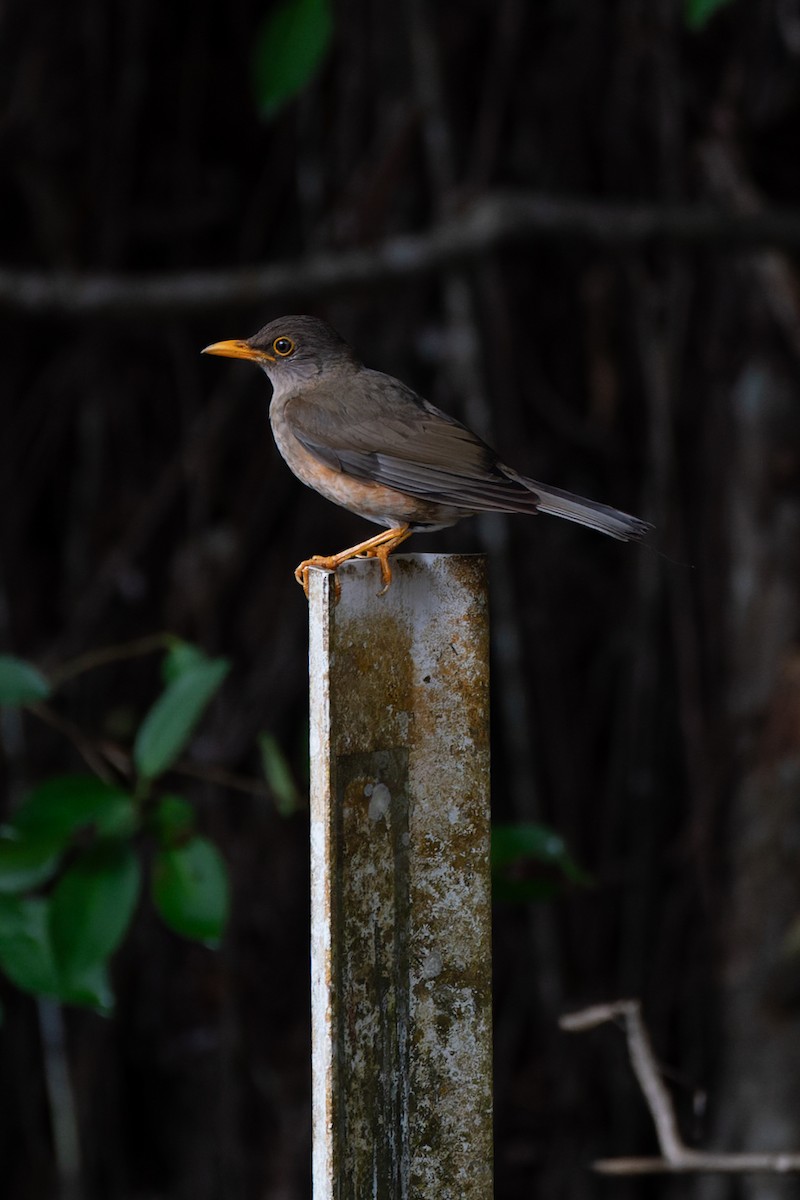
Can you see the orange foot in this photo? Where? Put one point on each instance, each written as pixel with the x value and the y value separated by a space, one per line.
pixel 380 547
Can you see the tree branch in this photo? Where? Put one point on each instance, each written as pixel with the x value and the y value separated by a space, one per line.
pixel 698 1161
pixel 495 220
pixel 677 1157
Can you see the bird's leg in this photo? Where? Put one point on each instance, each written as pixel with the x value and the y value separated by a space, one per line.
pixel 379 547
pixel 382 554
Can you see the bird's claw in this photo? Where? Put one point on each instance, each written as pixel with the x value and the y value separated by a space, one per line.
pixel 326 563
pixel 379 547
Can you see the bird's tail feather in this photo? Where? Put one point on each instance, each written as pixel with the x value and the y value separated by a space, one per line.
pixel 611 521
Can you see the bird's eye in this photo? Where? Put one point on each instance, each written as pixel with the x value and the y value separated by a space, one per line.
pixel 283 346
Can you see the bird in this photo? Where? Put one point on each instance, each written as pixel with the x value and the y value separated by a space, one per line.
pixel 369 443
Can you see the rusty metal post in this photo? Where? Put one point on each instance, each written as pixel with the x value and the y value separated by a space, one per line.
pixel 401 952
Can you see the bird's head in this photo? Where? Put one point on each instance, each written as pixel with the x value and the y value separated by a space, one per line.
pixel 290 350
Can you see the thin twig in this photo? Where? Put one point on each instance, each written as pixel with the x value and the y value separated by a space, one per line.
pixel 645 1068
pixel 109 654
pixel 494 220
pixel 224 778
pixel 677 1157
pixel 96 754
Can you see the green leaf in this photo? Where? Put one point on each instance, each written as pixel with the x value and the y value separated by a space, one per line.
pixel 173 820
pixel 26 863
pixel 520 891
pixel 190 890
pixel 57 809
pixel 91 988
pixel 91 908
pixel 26 954
pixel 289 47
pixel 27 957
pixel 20 682
pixel 180 658
pixel 528 842
pixel 278 775
pixel 516 847
pixel 698 13
pixel 171 721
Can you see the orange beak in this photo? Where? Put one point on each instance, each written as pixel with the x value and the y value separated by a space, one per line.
pixel 236 349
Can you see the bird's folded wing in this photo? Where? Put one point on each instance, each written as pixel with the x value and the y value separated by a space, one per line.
pixel 389 436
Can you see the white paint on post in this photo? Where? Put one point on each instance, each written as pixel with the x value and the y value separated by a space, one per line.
pixel 401 944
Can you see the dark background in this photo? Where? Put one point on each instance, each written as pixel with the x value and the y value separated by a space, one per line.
pixel 646 704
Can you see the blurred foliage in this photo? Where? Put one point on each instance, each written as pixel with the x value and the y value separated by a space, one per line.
pixel 290 45
pixel 531 862
pixel 71 854
pixel 699 12
pixel 20 683
pixel 190 889
pixel 278 774
pixel 169 724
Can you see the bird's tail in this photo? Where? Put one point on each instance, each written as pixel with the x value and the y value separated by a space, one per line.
pixel 611 521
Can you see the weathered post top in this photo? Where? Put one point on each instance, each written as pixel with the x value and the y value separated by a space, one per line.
pixel 401 951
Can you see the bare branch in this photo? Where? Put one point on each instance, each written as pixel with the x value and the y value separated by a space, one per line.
pixel 644 1065
pixel 677 1157
pixel 692 1160
pixel 208 773
pixel 98 755
pixel 491 221
pixel 110 654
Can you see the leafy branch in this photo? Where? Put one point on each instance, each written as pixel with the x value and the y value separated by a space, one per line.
pixel 71 875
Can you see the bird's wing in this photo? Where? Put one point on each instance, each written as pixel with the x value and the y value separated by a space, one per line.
pixel 382 432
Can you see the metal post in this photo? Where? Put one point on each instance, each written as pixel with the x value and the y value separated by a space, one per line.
pixel 401 945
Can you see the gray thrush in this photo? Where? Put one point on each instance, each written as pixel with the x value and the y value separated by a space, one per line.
pixel 371 444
